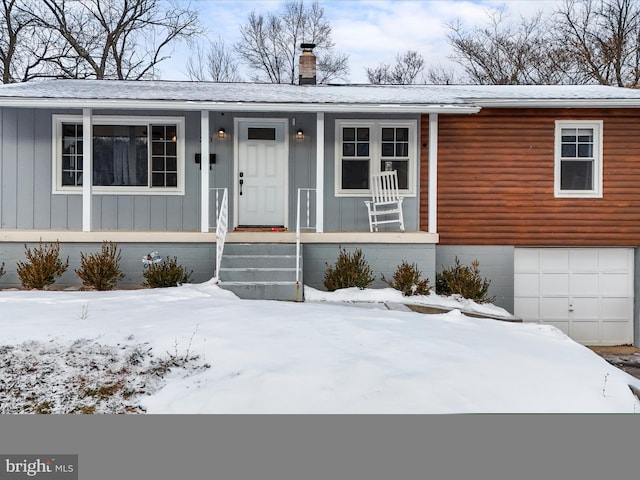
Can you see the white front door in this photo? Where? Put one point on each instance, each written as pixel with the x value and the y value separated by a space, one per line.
pixel 585 292
pixel 261 173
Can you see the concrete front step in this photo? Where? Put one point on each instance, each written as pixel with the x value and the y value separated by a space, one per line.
pixel 265 290
pixel 254 261
pixel 261 271
pixel 244 274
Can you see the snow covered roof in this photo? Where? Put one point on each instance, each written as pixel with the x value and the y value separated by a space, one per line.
pixel 315 98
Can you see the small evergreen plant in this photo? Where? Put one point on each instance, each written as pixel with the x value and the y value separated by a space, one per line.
pixel 351 270
pixel 464 280
pixel 101 270
pixel 165 274
pixel 2 272
pixel 43 266
pixel 406 278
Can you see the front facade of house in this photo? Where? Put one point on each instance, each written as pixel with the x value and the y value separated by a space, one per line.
pixel 538 184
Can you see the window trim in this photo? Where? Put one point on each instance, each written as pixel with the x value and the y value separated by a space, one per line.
pixel 59 189
pixel 375 152
pixel 597 126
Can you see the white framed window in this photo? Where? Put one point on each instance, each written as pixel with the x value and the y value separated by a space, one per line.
pixel 131 155
pixel 365 147
pixel 578 159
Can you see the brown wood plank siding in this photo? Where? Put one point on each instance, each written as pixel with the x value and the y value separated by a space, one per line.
pixel 496 180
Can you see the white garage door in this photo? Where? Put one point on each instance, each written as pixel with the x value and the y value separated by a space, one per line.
pixel 585 292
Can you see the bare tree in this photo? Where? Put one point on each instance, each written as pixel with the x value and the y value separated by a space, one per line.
pixel 118 39
pixel 270 44
pixel 379 75
pixel 604 38
pixel 527 52
pixel 217 65
pixel 440 75
pixel 26 51
pixel 405 71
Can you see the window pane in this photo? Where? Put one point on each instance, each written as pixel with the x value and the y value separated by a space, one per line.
pixel 68 178
pixel 568 151
pixel 68 162
pixel 348 134
pixel 402 149
pixel 157 132
pixel 355 174
pixel 402 134
pixel 157 164
pixel 363 134
pixel 576 175
pixel 387 150
pixel 585 151
pixel 363 149
pixel 157 148
pixel 400 166
pixel 387 135
pixel 120 155
pixel 585 135
pixel 172 164
pixel 171 133
pixel 569 135
pixel 171 148
pixel 172 179
pixel 348 149
pixel 157 180
pixel 266 133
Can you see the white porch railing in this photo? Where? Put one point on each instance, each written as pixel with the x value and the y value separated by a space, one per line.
pixel 222 221
pixel 309 222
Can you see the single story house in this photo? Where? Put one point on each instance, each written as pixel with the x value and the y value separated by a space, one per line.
pixel 539 183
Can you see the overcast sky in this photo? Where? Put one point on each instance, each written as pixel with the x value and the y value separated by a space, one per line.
pixel 368 31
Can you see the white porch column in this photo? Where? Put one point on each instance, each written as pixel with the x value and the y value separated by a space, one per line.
pixel 433 173
pixel 87 168
pixel 320 172
pixel 204 171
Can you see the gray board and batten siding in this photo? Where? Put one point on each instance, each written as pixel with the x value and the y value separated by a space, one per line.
pixel 27 201
pixel 345 214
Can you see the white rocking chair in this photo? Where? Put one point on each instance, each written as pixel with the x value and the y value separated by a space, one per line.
pixel 385 202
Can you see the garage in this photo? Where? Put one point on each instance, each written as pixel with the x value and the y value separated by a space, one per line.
pixel 585 292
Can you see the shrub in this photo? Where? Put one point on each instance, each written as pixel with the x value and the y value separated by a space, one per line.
pixel 351 270
pixel 43 266
pixel 465 281
pixel 165 274
pixel 101 270
pixel 2 269
pixel 407 279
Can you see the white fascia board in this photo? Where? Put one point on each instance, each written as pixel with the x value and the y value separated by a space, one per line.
pixel 127 104
pixel 554 103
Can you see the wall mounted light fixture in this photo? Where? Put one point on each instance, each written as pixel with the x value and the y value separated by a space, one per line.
pixel 299 134
pixel 222 133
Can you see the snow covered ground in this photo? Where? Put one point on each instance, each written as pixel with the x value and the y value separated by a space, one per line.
pixel 321 356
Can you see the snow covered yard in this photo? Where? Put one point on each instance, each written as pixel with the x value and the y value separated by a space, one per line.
pixel 199 349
